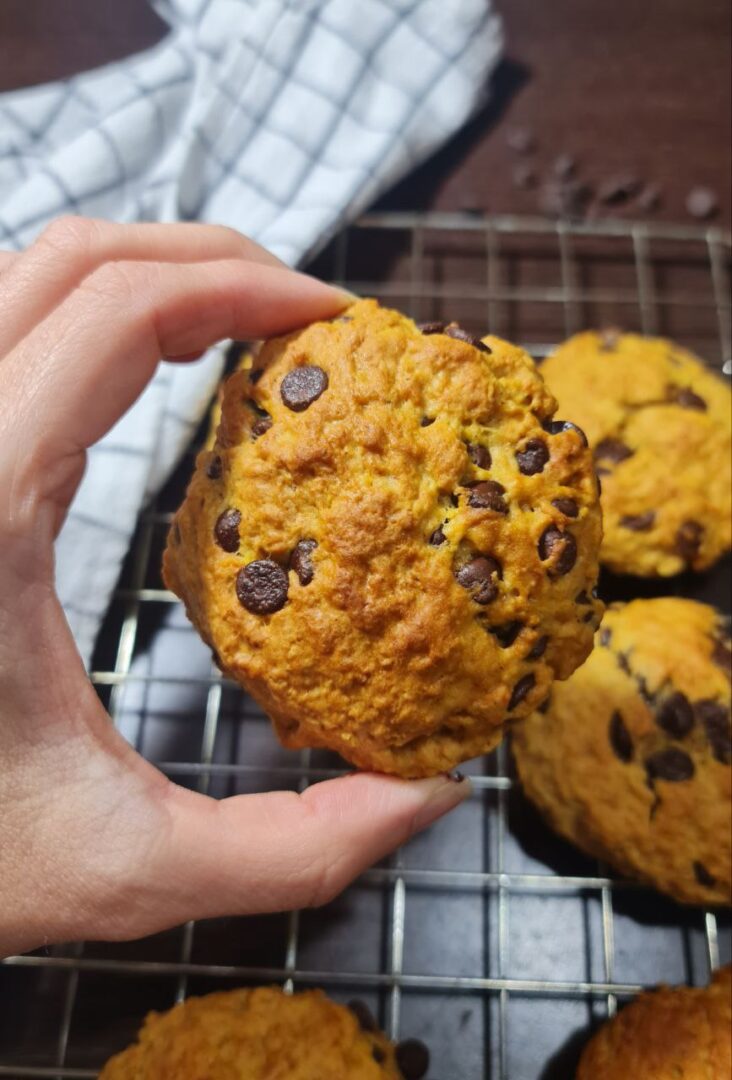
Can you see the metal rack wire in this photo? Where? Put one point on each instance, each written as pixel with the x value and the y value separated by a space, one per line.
pixel 539 939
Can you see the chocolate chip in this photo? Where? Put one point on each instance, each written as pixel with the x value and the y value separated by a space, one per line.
pixel 454 331
pixel 521 139
pixel 722 656
pixel 703 876
pixel 675 715
pixel 559 546
pixel 568 507
pixel 605 636
pixel 260 425
pixel 701 203
pixel 686 398
pixel 524 686
pixel 524 176
pixel 582 598
pixel 715 720
pixel 301 560
pixel 366 1019
pixel 671 764
pixel 214 468
pixel 226 530
pixel 612 450
pixel 623 663
pixel 413 1058
pixel 555 427
pixel 565 198
pixel 378 1055
pixel 302 386
pixel 618 189
pixel 454 499
pixel 533 457
pixel 507 633
pixel 538 649
pixel 437 537
pixel 431 327
pixel 479 577
pixel 262 587
pixel 487 495
pixel 426 421
pixel 639 522
pixel 479 455
pixel 620 738
pixel 643 690
pixel 688 539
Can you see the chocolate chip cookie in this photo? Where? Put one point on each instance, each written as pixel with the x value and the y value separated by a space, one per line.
pixel 631 759
pixel 393 543
pixel 264 1034
pixel 659 424
pixel 679 1032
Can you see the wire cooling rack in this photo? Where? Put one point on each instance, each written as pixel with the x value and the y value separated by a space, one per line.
pixel 488 937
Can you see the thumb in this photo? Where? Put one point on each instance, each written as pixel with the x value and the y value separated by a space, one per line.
pixel 282 850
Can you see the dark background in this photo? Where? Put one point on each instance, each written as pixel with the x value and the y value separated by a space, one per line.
pixel 619 85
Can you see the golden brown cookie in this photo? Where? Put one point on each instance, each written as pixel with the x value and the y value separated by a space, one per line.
pixel 631 760
pixel 264 1034
pixel 678 1033
pixel 660 425
pixel 392 546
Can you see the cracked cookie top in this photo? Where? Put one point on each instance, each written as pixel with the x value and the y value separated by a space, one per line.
pixel 659 423
pixel 392 544
pixel 631 760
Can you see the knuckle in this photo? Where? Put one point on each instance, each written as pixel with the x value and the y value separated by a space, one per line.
pixel 120 282
pixel 325 880
pixel 238 239
pixel 69 234
pixel 232 241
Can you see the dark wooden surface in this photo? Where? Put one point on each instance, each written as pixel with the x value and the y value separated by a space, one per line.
pixel 619 85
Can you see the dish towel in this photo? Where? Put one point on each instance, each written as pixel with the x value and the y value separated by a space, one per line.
pixel 281 119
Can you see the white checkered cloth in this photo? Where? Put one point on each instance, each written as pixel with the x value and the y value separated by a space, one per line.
pixel 281 119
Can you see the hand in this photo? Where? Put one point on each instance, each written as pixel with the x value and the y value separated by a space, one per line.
pixel 94 841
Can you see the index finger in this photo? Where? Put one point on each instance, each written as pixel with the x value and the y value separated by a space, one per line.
pixel 71 248
pixel 71 378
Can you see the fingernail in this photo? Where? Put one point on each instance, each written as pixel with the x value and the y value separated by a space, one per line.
pixel 442 794
pixel 349 297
